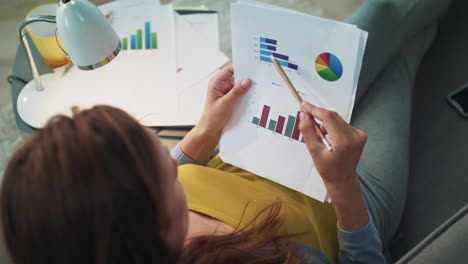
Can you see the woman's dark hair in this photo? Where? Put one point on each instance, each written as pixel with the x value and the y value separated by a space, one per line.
pixel 87 189
pixel 258 242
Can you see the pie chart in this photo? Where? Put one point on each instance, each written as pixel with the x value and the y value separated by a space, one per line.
pixel 329 67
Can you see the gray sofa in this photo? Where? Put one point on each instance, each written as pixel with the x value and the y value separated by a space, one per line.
pixel 438 183
pixel 434 228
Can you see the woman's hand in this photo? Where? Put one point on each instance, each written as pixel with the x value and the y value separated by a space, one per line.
pixel 221 97
pixel 348 143
pixel 337 168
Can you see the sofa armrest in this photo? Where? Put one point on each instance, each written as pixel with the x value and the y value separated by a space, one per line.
pixel 447 244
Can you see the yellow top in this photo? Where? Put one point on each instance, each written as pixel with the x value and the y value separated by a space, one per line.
pixel 222 191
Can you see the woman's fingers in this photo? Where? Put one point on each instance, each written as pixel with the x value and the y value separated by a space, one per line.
pixel 221 83
pixel 317 112
pixel 226 73
pixel 332 123
pixel 307 128
pixel 324 130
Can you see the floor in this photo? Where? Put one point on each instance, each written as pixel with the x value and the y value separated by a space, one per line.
pixel 13 11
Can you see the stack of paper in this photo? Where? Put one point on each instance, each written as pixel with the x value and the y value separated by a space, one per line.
pixel 323 60
pixel 160 76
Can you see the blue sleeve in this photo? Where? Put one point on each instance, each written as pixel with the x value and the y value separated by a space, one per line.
pixel 180 156
pixel 360 246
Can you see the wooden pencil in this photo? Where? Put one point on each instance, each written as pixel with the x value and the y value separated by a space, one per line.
pixel 299 100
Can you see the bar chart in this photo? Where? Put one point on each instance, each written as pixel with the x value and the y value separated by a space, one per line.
pixel 288 128
pixel 268 48
pixel 141 38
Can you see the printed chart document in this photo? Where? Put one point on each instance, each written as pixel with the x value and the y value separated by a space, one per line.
pixel 147 32
pixel 323 60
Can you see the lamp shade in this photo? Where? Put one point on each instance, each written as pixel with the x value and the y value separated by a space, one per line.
pixel 89 38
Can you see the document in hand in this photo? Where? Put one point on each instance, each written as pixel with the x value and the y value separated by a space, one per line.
pixel 323 60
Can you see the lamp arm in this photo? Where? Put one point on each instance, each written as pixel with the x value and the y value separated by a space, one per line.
pixel 22 37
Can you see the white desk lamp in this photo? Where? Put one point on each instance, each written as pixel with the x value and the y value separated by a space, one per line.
pixel 89 38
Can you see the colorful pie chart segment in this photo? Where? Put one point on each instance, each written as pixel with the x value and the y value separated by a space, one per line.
pixel 329 67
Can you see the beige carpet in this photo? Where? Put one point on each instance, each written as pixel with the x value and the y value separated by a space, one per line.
pixel 11 137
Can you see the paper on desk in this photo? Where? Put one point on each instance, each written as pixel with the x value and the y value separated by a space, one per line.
pixel 190 106
pixel 199 61
pixel 199 58
pixel 207 26
pixel 197 54
pixel 196 57
pixel 147 79
pixel 298 39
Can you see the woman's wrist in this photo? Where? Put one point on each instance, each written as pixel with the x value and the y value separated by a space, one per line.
pixel 200 143
pixel 342 184
pixel 207 128
pixel 349 204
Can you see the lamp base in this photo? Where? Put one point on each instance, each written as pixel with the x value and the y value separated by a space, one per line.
pixel 35 107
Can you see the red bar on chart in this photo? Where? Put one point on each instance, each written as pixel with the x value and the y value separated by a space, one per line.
pixel 296 131
pixel 280 124
pixel 265 113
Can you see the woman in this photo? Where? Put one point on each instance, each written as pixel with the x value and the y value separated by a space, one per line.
pixel 100 188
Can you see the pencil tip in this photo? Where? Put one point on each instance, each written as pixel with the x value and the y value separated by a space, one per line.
pixel 327 144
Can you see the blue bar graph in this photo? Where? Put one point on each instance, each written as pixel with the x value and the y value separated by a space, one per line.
pixel 281 62
pixel 142 39
pixel 292 66
pixel 268 59
pixel 276 55
pixel 133 42
pixel 147 35
pixel 280 56
pixel 267 40
pixel 267 50
pixel 268 47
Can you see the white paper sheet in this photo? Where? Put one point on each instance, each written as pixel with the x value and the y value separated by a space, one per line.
pixel 196 57
pixel 199 59
pixel 302 38
pixel 207 26
pixel 190 102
